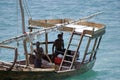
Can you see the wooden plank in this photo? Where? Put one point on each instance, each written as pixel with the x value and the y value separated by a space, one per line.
pixel 91 24
pixel 39 69
pixel 6 46
pixel 66 29
pixel 47 23
pixel 40 23
pixel 88 32
pixel 66 71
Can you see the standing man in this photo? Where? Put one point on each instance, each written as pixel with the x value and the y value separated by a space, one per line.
pixel 58 45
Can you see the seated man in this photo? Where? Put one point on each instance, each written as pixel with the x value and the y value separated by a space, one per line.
pixel 58 45
pixel 38 55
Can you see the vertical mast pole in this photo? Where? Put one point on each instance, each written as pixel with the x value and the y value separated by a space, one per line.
pixel 22 15
pixel 46 46
pixel 23 31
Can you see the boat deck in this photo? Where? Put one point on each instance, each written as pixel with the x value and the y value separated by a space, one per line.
pixel 4 66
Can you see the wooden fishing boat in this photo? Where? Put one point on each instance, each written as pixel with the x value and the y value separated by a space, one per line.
pixel 83 33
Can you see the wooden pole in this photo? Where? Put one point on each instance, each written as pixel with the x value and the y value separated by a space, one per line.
pixel 46 40
pixel 15 56
pixel 46 46
pixel 93 50
pixel 97 46
pixel 86 49
pixel 22 15
pixel 23 31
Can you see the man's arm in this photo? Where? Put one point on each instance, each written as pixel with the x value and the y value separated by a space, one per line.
pixel 53 48
pixel 42 50
pixel 63 44
pixel 35 51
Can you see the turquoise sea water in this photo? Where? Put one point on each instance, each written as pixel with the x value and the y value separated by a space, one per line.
pixel 107 66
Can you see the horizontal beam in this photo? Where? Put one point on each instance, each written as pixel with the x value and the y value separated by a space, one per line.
pixel 91 24
pixel 47 23
pixel 50 42
pixel 6 46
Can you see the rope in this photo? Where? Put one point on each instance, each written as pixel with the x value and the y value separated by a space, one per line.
pixel 17 16
pixel 26 8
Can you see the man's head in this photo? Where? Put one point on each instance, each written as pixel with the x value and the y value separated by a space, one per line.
pixel 59 36
pixel 37 43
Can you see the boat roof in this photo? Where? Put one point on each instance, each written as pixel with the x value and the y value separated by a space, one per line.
pixel 90 28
